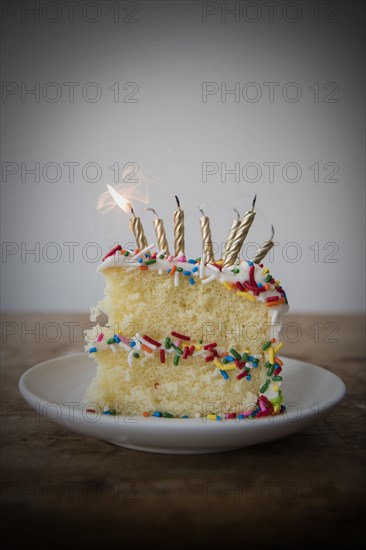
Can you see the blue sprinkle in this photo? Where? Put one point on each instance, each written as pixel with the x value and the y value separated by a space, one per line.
pixel 241 416
pixel 218 417
pixel 248 377
pixel 192 261
pixel 117 339
pixel 132 344
pixel 156 413
pixel 191 281
pixel 185 416
pixel 259 285
pixel 140 260
pixel 187 273
pixel 251 358
pixel 250 263
pixel 195 269
pixel 229 358
pixel 224 374
pixel 169 270
pixel 92 350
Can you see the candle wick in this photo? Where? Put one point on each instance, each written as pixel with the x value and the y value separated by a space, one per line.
pixel 272 233
pixel 132 210
pixel 152 210
pixel 254 200
pixel 237 213
pixel 178 203
pixel 202 212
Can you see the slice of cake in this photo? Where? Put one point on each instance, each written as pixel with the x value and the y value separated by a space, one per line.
pixel 185 338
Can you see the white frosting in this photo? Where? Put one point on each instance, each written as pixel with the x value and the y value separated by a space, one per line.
pixel 207 273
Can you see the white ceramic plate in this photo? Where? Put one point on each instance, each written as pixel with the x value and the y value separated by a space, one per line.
pixel 55 388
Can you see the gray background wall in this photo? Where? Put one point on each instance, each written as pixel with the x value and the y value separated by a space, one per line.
pixel 126 84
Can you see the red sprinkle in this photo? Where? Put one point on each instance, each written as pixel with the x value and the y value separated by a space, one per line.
pixel 272 299
pixel 264 400
pixel 112 252
pixel 90 411
pixel 251 276
pixel 162 356
pixel 210 346
pixel 191 350
pixel 180 336
pixel 240 286
pixel 185 352
pixel 240 364
pixel 254 289
pixel 241 375
pixel 277 371
pixel 152 341
pixel 209 358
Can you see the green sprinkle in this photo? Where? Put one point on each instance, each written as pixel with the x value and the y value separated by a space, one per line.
pixel 137 355
pixel 161 257
pixel 167 415
pixel 264 387
pixel 268 364
pixel 148 262
pixel 111 341
pixel 180 269
pixel 113 412
pixel 270 370
pixel 245 357
pixel 268 278
pixel 235 354
pixel 126 253
pixel 178 350
pixel 235 271
pixel 277 378
pixel 167 343
pixel 200 341
pixel 176 360
pixel 266 345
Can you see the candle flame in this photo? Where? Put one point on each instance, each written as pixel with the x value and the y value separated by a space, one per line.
pixel 120 200
pixel 131 190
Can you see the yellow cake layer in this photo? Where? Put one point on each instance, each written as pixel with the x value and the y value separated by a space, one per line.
pixel 190 388
pixel 149 303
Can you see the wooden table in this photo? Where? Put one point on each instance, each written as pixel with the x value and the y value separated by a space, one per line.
pixel 60 488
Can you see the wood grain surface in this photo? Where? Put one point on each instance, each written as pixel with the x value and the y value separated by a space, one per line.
pixel 59 488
